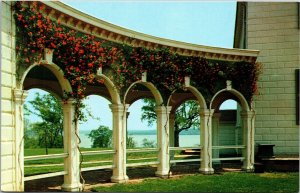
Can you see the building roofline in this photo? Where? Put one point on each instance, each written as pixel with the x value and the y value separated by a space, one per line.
pixel 88 24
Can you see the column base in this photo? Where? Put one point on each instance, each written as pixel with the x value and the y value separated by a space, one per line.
pixel 76 187
pixel 163 174
pixel 206 171
pixel 119 179
pixel 248 168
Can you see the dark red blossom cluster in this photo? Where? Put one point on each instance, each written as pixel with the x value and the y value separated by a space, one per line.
pixel 79 56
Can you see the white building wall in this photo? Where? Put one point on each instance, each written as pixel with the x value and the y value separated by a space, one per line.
pixel 272 28
pixel 8 159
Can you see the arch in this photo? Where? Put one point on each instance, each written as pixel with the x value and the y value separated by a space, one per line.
pixel 236 95
pixel 196 93
pixel 46 89
pixel 157 96
pixel 112 89
pixel 56 70
pixel 136 98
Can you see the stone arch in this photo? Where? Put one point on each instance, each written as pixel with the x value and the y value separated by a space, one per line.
pixel 225 94
pixel 155 92
pixel 247 123
pixel 198 97
pixel 112 89
pixel 56 70
pixel 45 88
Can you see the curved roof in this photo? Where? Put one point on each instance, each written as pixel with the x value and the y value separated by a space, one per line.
pixel 78 20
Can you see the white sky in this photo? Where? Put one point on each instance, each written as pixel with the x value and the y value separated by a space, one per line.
pixel 198 22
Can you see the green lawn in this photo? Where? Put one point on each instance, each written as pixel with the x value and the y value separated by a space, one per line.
pixel 226 182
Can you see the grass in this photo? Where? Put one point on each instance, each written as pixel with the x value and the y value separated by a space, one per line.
pixel 226 182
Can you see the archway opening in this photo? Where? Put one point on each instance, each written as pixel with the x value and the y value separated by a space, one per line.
pixel 187 125
pixel 227 129
pixel 43 134
pixel 142 134
pixel 141 126
pixel 38 164
pixel 96 133
pixel 184 124
pixel 230 131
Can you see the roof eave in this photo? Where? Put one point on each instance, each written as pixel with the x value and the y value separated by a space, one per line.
pixel 88 24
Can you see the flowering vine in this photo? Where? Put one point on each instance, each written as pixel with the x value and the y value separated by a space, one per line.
pixel 80 56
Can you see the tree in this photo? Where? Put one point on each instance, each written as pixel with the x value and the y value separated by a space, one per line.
pixel 101 137
pixel 50 129
pixel 130 143
pixel 186 116
pixel 30 137
pixel 148 143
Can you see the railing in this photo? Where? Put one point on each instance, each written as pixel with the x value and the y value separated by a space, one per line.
pixel 64 155
pixel 185 160
pixel 228 147
pixel 99 152
pixel 139 161
pixel 44 157
pixel 142 150
pixel 48 175
pixel 50 156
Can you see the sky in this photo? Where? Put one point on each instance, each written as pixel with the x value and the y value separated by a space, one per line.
pixel 198 22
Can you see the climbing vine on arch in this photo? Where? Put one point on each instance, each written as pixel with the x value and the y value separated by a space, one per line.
pixel 80 56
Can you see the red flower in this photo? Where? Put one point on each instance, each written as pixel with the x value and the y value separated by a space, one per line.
pixel 53 45
pixel 81 51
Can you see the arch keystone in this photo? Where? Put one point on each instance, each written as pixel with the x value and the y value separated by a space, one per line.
pixel 228 84
pixel 48 55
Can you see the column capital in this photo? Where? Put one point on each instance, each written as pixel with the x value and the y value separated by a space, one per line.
pixel 119 107
pixel 68 101
pixel 206 112
pixel 247 114
pixel 163 109
pixel 20 95
pixel 68 104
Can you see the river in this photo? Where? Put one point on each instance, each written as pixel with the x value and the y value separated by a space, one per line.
pixel 184 140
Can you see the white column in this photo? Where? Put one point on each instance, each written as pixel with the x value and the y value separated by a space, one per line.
pixel 19 99
pixel 127 115
pixel 215 133
pixel 171 129
pixel 71 163
pixel 171 133
pixel 206 141
pixel 119 113
pixel 248 140
pixel 162 113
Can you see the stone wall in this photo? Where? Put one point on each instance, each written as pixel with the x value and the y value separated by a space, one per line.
pixel 273 29
pixel 8 158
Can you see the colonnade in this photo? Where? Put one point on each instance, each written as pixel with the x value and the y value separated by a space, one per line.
pixel 165 134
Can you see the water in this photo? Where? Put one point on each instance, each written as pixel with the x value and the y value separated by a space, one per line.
pixel 184 140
